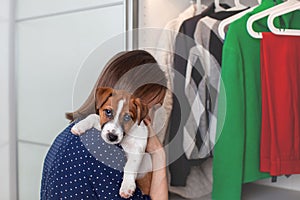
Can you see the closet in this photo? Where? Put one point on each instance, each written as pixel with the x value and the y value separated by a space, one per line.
pixel 263 187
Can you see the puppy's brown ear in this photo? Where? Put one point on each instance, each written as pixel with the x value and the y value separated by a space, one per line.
pixel 142 110
pixel 102 95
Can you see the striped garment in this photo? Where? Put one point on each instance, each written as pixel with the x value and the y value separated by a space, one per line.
pixel 201 86
pixel 202 81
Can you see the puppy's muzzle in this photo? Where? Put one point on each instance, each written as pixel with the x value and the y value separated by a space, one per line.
pixel 112 137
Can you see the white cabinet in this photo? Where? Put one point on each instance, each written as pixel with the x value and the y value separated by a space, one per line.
pixel 33 8
pixel 31 159
pixel 58 59
pixel 49 54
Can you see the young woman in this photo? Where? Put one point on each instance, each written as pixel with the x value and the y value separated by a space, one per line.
pixel 88 168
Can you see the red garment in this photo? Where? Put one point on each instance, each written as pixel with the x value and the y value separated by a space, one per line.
pixel 280 82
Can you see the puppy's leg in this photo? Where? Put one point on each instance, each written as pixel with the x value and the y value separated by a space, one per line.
pixel 135 150
pixel 131 168
pixel 145 166
pixel 134 145
pixel 93 120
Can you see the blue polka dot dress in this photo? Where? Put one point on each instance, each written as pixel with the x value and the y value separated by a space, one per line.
pixel 83 168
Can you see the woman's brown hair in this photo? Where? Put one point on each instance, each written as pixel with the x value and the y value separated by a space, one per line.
pixel 134 71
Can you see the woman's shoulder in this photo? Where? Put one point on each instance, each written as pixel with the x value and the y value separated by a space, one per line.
pixel 89 145
pixel 63 144
pixel 64 139
pixel 84 163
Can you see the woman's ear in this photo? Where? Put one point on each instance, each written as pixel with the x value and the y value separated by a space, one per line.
pixel 142 110
pixel 102 95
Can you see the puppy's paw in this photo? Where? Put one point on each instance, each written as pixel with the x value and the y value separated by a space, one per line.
pixel 77 130
pixel 127 189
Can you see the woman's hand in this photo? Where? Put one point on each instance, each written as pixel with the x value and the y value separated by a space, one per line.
pixel 153 144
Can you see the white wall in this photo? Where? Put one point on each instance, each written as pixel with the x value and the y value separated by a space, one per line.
pixel 53 40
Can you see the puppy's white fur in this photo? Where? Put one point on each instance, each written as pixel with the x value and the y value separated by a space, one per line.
pixel 134 144
pixel 113 126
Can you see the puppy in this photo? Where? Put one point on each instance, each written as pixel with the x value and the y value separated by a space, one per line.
pixel 120 121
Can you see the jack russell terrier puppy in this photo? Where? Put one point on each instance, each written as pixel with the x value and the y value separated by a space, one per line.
pixel 120 121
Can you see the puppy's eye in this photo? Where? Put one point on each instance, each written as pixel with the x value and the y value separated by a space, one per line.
pixel 108 113
pixel 127 117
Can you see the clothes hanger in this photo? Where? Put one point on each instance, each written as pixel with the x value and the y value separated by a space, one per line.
pixel 279 12
pixel 218 7
pixel 198 5
pixel 224 23
pixel 263 14
pixel 238 5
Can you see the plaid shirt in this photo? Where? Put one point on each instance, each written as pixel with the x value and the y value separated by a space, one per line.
pixel 202 88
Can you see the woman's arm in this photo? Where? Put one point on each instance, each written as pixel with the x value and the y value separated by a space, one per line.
pixel 159 186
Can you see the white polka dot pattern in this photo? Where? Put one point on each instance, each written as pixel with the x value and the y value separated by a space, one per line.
pixel 83 168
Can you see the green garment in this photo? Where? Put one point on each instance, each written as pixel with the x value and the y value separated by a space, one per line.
pixel 237 149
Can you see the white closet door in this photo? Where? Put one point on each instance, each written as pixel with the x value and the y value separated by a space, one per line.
pixel 49 54
pixel 30 170
pixel 33 8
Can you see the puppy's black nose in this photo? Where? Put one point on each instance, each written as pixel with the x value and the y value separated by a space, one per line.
pixel 112 137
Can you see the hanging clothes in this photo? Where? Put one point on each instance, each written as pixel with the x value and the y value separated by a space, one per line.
pixel 237 149
pixel 181 108
pixel 280 135
pixel 202 85
pixel 165 47
pixel 164 56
